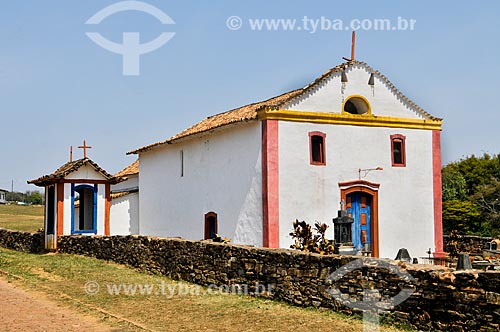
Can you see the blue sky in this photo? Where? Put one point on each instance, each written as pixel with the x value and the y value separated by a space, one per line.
pixel 58 88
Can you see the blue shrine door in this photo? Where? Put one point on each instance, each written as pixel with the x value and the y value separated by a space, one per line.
pixel 358 206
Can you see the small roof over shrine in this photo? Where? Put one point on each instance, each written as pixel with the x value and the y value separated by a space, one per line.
pixel 71 167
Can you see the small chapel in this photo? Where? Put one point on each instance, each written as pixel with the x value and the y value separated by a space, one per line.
pixel 79 200
pixel 348 138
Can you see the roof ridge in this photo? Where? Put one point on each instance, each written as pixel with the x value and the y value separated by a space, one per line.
pixel 73 166
pixel 249 112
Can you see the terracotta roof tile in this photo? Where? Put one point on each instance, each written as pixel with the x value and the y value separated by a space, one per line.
pixel 123 193
pixel 71 167
pixel 131 169
pixel 249 112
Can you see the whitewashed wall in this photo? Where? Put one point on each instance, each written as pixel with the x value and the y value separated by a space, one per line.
pixel 327 97
pixel 131 183
pixel 307 192
pixel 125 215
pixel 222 173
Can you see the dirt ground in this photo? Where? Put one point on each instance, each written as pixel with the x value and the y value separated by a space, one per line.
pixel 28 311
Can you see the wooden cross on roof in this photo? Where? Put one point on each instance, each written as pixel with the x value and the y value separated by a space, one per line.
pixel 84 147
pixel 353 46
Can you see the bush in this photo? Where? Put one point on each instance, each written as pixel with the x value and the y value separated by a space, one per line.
pixel 306 240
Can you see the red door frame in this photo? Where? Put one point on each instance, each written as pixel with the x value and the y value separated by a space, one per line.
pixel 371 189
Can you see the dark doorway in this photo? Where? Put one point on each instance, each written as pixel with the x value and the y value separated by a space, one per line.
pixel 51 210
pixel 210 225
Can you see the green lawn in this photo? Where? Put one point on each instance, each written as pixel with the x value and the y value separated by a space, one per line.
pixel 64 278
pixel 21 217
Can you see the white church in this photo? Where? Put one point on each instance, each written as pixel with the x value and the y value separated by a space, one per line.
pixel 350 136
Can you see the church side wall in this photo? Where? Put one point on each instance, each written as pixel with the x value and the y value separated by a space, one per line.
pixel 125 215
pixel 219 172
pixel 131 183
pixel 312 193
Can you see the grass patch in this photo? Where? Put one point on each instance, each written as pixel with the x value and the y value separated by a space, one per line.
pixel 64 277
pixel 21 217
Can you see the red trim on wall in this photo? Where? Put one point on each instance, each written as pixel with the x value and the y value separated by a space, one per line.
pixel 270 184
pixel 368 184
pixel 107 209
pixel 438 195
pixel 60 209
pixel 323 148
pixel 403 149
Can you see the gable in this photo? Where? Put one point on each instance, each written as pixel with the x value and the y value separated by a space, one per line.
pixel 321 101
pixel 77 170
pixel 328 96
pixel 86 172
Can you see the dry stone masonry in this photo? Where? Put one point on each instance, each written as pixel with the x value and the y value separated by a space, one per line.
pixel 442 299
pixel 21 241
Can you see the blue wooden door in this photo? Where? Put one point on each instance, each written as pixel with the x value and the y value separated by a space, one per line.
pixel 358 206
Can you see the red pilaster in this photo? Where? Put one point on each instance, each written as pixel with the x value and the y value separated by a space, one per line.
pixel 438 205
pixel 107 208
pixel 270 184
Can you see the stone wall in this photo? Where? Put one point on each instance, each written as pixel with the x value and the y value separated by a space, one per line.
pixel 443 300
pixel 21 241
pixel 466 243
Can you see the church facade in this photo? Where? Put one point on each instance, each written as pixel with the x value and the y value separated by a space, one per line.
pixel 350 139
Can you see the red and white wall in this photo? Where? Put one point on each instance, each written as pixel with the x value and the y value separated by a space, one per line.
pixel 312 193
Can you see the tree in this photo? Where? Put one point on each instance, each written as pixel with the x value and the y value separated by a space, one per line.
pixel 471 195
pixel 454 185
pixel 29 197
pixel 35 197
pixel 479 171
pixel 487 198
pixel 460 216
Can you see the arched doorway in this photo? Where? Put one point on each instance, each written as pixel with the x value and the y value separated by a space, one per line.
pixel 361 199
pixel 210 225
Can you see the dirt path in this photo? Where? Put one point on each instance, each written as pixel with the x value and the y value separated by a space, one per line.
pixel 26 311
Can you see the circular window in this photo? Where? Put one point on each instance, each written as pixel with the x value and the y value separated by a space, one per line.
pixel 356 105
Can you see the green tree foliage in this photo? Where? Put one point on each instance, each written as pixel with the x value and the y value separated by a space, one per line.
pixel 29 197
pixel 471 195
pixel 479 171
pixel 454 185
pixel 306 240
pixel 487 198
pixel 460 216
pixel 35 198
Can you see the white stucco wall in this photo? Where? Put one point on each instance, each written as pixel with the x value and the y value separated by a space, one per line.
pixel 222 173
pixel 125 215
pixel 328 98
pixel 86 172
pixel 307 192
pixel 131 183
